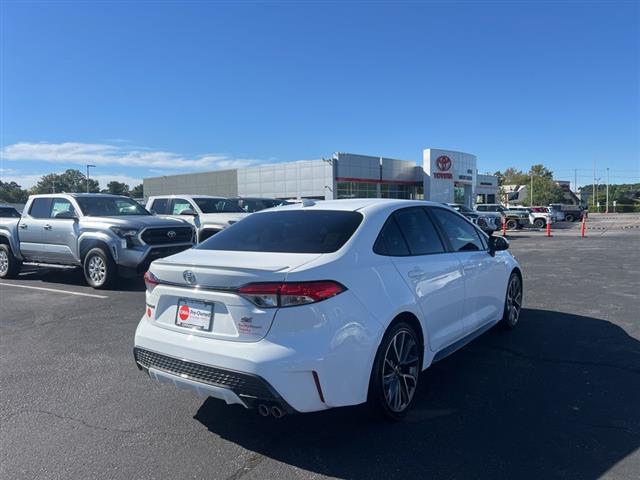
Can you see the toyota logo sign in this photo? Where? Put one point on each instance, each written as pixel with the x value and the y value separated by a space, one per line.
pixel 171 234
pixel 443 162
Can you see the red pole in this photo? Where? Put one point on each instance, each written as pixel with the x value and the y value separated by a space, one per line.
pixel 504 226
pixel 548 229
pixel 584 226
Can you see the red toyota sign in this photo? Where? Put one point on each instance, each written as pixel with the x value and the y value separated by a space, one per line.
pixel 443 162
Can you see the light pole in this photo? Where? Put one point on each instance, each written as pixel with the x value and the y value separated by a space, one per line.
pixel 596 189
pixel 89 166
pixel 531 196
pixel 607 208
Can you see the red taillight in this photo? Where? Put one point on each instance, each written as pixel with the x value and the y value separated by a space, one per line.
pixel 150 281
pixel 288 294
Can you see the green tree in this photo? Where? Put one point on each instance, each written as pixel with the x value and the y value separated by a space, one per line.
pixel 545 191
pixel 71 181
pixel 137 192
pixel 11 192
pixel 116 188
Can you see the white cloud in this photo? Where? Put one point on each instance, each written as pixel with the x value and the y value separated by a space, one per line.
pixel 119 155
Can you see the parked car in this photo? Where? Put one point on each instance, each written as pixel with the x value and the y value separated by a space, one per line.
pixel 325 304
pixel 572 213
pixel 208 214
pixel 488 222
pixel 256 204
pixel 106 235
pixel 540 216
pixel 7 211
pixel 515 219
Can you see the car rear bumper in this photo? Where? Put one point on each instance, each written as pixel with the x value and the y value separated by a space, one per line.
pixel 313 358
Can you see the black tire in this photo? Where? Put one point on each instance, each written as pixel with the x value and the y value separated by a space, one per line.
pixel 512 224
pixel 569 218
pixel 539 223
pixel 99 269
pixel 512 302
pixel 9 265
pixel 392 398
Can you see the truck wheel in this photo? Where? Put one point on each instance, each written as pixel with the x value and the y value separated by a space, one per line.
pixel 512 224
pixel 9 264
pixel 539 223
pixel 99 268
pixel 568 218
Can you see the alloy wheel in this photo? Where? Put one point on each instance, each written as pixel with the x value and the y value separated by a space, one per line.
pixel 97 269
pixel 514 299
pixel 400 371
pixel 4 262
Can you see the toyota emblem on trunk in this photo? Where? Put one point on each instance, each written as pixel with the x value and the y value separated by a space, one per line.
pixel 171 234
pixel 189 277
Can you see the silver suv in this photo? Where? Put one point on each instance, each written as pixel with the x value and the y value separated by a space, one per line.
pixel 106 235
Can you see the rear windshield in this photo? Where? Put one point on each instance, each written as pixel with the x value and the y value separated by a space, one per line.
pixel 294 231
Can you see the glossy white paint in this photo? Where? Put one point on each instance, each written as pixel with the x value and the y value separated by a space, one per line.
pixel 451 295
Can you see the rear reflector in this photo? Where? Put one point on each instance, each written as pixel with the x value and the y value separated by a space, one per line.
pixel 287 294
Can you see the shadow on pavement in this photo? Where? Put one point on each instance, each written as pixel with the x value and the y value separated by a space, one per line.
pixel 75 277
pixel 559 397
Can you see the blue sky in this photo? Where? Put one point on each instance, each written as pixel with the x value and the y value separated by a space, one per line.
pixel 152 88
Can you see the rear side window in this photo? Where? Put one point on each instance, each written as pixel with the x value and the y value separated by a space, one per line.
pixel 462 235
pixel 408 232
pixel 390 240
pixel 293 231
pixel 160 205
pixel 40 208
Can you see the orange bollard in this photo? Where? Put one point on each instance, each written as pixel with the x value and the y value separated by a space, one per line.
pixel 584 226
pixel 504 226
pixel 548 229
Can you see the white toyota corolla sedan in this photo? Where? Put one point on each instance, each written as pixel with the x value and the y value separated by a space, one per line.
pixel 325 304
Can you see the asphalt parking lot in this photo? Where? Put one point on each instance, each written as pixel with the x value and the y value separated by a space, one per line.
pixel 559 397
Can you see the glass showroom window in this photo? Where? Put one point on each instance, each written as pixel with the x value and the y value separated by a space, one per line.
pixel 357 190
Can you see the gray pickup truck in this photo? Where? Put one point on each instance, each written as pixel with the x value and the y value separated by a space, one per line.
pixel 106 235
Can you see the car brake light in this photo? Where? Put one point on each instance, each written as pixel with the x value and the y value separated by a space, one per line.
pixel 150 281
pixel 288 294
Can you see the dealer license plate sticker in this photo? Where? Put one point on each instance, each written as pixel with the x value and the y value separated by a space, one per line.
pixel 194 314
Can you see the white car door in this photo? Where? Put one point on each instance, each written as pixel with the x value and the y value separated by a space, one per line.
pixel 483 274
pixel 434 276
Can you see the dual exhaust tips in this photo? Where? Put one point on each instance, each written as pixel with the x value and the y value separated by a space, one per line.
pixel 265 411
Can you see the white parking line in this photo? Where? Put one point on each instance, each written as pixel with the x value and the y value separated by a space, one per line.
pixel 54 290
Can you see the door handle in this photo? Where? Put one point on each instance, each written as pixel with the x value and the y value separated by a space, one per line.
pixel 47 227
pixel 23 226
pixel 416 273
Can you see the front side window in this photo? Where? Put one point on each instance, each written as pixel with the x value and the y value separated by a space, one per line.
pixel 217 205
pixel 291 231
pixel 40 208
pixel 62 207
pixel 178 205
pixel 160 205
pixel 462 235
pixel 110 206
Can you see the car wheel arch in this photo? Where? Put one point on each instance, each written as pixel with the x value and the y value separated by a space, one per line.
pixel 87 245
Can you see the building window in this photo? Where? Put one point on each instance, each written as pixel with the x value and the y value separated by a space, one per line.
pixel 491 198
pixel 357 190
pixel 378 190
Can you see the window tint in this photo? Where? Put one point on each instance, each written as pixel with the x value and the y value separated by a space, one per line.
pixel 160 205
pixel 461 234
pixel 481 208
pixel 390 240
pixel 103 206
pixel 9 212
pixel 292 231
pixel 217 205
pixel 178 205
pixel 418 231
pixel 61 205
pixel 40 208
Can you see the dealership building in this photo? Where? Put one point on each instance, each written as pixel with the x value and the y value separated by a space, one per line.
pixel 444 176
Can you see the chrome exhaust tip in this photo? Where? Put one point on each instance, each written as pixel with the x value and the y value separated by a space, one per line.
pixel 263 410
pixel 276 412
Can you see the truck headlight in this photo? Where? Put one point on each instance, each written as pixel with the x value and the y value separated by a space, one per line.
pixel 126 234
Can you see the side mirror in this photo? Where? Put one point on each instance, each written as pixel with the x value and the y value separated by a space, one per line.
pixel 497 244
pixel 188 211
pixel 66 216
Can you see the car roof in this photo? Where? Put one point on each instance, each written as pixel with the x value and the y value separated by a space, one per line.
pixel 191 196
pixel 78 195
pixel 356 204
